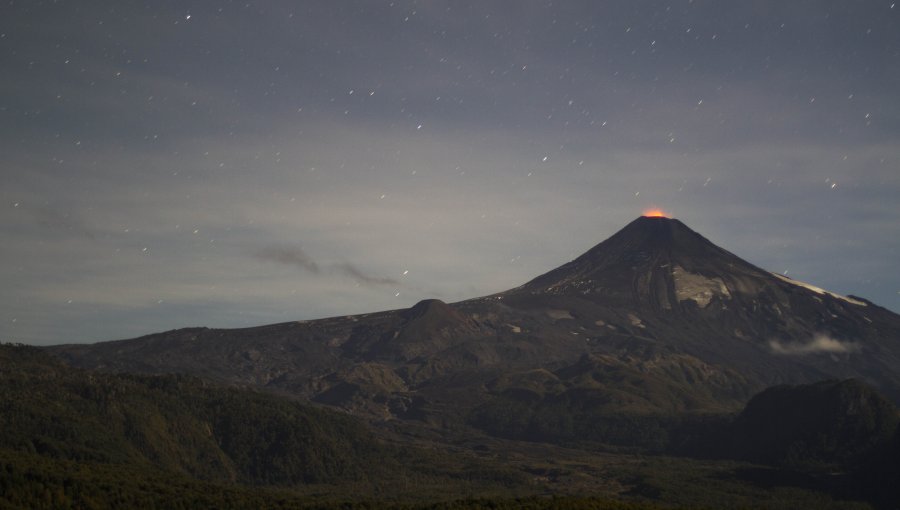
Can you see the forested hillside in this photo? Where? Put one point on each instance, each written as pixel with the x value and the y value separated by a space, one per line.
pixel 73 438
pixel 72 435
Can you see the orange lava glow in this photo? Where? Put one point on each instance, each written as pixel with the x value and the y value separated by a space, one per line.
pixel 656 213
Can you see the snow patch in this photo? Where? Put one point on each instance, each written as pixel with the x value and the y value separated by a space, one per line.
pixel 635 320
pixel 697 287
pixel 818 290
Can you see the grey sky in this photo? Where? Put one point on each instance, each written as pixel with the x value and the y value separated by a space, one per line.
pixel 171 164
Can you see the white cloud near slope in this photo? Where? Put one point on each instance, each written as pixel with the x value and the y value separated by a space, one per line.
pixel 819 344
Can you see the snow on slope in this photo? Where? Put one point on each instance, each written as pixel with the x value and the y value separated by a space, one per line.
pixel 818 290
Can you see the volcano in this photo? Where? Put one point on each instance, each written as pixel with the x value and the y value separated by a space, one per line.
pixel 653 262
pixel 655 319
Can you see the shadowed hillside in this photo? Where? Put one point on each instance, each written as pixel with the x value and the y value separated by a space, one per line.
pixel 124 428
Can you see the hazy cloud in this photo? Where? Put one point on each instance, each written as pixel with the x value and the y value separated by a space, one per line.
pixel 819 344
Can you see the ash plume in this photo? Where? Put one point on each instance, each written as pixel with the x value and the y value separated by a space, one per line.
pixel 295 256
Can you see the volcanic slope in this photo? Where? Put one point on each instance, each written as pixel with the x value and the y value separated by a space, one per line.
pixel 656 319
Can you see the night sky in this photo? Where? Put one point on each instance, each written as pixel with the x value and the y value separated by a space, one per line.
pixel 231 164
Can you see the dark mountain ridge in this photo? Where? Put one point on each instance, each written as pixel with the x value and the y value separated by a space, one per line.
pixel 651 342
pixel 841 423
pixel 657 303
